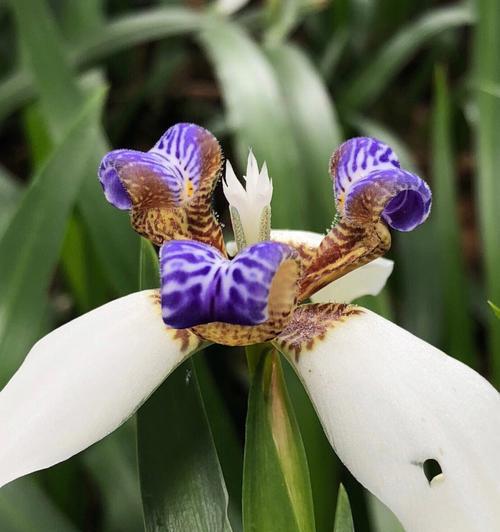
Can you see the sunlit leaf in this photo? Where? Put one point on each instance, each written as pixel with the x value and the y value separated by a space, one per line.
pixel 29 248
pixel 343 516
pixel 454 285
pixel 275 466
pixel 257 114
pixel 487 40
pixel 496 310
pixel 314 124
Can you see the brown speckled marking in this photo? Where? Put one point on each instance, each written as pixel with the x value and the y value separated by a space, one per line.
pixel 187 338
pixel 203 225
pixel 282 302
pixel 160 224
pixel 145 188
pixel 306 252
pixel 155 214
pixel 309 325
pixel 345 248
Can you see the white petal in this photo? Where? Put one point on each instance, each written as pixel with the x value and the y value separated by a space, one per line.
pixel 297 237
pixel 83 380
pixel 233 189
pixel 367 280
pixel 389 401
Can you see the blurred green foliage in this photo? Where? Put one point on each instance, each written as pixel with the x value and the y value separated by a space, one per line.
pixel 291 79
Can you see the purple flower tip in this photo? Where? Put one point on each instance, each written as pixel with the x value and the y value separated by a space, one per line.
pixel 199 285
pixel 369 183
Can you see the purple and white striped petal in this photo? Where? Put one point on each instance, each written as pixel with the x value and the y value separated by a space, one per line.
pixel 369 183
pixel 132 178
pixel 185 161
pixel 199 285
pixel 84 379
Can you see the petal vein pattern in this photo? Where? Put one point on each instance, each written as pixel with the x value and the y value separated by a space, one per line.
pixel 168 189
pixel 201 286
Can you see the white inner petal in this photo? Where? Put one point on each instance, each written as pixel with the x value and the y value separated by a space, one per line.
pixel 368 280
pixel 251 200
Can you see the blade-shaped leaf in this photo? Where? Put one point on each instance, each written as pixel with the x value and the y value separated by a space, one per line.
pixel 24 507
pixel 495 309
pixel 343 515
pixel 123 32
pixel 382 519
pixel 314 124
pixel 370 82
pixel 61 98
pixel 181 479
pixel 276 486
pixel 30 245
pixel 10 191
pixel 487 41
pixel 324 466
pixel 458 339
pixel 257 114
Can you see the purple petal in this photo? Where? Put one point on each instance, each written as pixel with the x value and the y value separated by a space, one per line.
pixel 186 159
pixel 195 152
pixel 369 184
pixel 132 178
pixel 200 286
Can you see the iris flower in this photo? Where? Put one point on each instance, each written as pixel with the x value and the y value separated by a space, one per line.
pixel 389 402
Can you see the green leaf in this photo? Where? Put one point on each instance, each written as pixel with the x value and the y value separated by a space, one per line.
pixel 24 507
pixel 487 71
pixel 458 340
pixel 124 32
pixel 130 30
pixel 370 81
pixel 10 192
pixel 276 486
pixel 61 97
pixel 343 515
pixel 315 127
pixel 181 479
pixel 227 443
pixel 382 519
pixel 496 310
pixel 324 466
pixel 257 114
pixel 112 463
pixel 149 266
pixel 30 246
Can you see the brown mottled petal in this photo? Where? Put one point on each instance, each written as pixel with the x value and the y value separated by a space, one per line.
pixel 84 379
pixel 144 181
pixel 282 302
pixel 161 224
pixel 203 225
pixel 345 248
pixel 309 325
